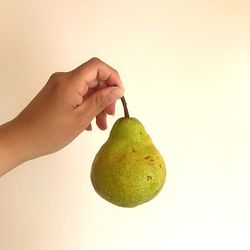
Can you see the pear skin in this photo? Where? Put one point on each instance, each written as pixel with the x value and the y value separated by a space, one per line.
pixel 128 170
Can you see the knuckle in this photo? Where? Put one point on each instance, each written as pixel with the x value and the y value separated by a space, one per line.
pixel 95 60
pixel 58 77
pixel 57 80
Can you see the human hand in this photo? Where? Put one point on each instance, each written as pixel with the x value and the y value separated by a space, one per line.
pixel 63 109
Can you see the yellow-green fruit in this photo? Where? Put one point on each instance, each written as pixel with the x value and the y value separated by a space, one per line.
pixel 128 170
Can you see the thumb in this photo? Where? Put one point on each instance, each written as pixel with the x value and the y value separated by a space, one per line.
pixel 99 100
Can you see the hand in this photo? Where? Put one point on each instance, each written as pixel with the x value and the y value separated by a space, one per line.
pixel 62 110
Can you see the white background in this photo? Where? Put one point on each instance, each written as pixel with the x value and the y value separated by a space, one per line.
pixel 186 69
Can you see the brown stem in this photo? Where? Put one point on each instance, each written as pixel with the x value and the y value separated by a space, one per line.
pixel 126 113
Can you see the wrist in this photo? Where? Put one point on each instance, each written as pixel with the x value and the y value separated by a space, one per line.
pixel 12 147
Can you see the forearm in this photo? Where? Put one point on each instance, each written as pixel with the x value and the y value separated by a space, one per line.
pixel 62 110
pixel 12 148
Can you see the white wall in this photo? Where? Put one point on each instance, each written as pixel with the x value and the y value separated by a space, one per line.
pixel 185 65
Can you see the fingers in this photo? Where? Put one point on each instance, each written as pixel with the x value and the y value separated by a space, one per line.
pixel 92 73
pixel 97 103
pixel 104 88
pixel 89 128
pixel 110 109
pixel 101 120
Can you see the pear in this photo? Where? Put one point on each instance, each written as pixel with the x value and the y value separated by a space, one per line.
pixel 128 170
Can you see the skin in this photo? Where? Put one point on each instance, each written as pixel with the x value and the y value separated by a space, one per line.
pixel 128 170
pixel 63 109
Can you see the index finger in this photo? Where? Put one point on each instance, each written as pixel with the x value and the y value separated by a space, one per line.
pixel 93 71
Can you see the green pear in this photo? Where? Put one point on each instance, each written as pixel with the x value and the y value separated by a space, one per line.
pixel 128 170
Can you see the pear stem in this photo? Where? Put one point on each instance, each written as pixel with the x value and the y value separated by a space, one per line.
pixel 126 113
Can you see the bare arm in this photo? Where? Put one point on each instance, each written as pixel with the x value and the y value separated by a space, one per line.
pixel 61 111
